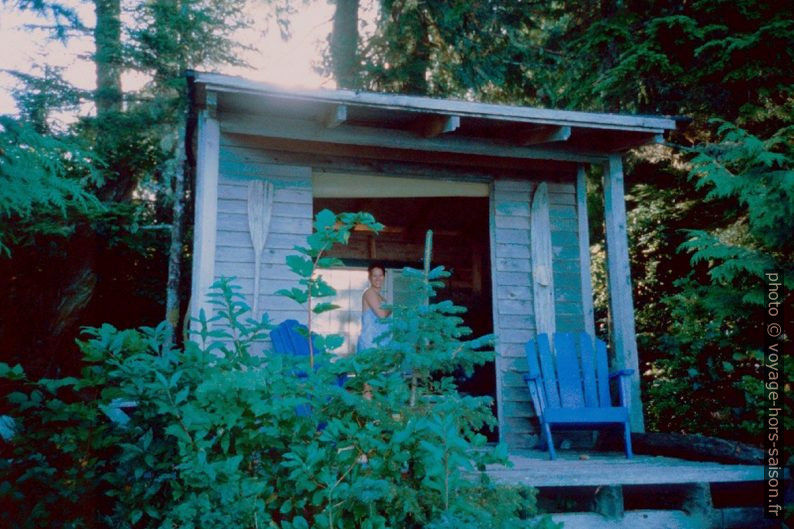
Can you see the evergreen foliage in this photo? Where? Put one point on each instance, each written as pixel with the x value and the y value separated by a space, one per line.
pixel 44 181
pixel 714 355
pixel 126 157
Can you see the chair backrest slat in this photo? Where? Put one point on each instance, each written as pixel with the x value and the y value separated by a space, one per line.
pixel 568 371
pixel 536 389
pixel 587 355
pixel 602 373
pixel 548 372
pixel 287 339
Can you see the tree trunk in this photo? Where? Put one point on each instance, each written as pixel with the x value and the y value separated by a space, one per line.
pixel 79 275
pixel 107 39
pixel 344 43
pixel 177 176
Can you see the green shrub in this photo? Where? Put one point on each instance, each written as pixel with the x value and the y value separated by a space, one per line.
pixel 207 435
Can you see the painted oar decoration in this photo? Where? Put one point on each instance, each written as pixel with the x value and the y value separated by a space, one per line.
pixel 260 210
pixel 541 255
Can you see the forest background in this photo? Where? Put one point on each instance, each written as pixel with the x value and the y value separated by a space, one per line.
pixel 93 213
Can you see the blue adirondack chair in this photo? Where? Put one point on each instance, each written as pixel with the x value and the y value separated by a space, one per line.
pixel 570 387
pixel 289 338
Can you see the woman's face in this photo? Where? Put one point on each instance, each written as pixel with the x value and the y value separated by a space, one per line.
pixel 376 277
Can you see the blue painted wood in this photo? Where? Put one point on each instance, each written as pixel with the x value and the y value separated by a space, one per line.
pixel 533 377
pixel 289 338
pixel 570 387
pixel 547 371
pixel 588 371
pixel 602 373
pixel 585 416
pixel 568 371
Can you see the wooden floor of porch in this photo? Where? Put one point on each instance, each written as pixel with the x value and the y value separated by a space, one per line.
pixel 594 490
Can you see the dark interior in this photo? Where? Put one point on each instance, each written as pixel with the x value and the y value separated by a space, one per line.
pixel 460 243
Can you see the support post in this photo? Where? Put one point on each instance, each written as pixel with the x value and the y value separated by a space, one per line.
pixel 206 208
pixel 608 502
pixel 697 502
pixel 584 251
pixel 621 307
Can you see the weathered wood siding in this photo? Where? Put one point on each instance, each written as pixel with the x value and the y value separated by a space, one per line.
pixel 514 321
pixel 241 162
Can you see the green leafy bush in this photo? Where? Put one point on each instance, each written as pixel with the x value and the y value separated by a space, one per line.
pixel 207 435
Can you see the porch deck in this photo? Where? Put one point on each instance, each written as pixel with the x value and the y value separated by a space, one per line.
pixel 594 490
pixel 593 469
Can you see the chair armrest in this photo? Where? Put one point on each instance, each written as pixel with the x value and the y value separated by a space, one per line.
pixel 621 373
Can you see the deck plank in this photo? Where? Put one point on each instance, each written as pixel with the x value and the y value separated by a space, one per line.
pixel 532 467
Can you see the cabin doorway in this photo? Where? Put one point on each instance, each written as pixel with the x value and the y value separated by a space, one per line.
pixel 458 214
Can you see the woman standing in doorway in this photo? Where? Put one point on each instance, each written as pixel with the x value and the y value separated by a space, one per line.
pixel 372 311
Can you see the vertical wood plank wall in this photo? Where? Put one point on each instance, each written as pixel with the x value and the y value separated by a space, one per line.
pixel 511 266
pixel 241 162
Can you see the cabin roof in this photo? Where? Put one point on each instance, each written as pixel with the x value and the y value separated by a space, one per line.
pixel 422 123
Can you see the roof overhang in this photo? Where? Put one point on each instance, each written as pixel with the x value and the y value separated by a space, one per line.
pixel 417 124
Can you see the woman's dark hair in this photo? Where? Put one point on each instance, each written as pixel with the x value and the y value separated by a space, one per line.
pixel 373 266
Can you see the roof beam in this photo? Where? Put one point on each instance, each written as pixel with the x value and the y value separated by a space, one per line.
pixel 296 129
pixel 545 134
pixel 335 116
pixel 434 125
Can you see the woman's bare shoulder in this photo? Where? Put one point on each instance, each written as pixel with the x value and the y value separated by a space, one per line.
pixel 371 296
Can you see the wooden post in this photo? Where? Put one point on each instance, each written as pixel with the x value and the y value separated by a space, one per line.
pixel 608 501
pixel 697 501
pixel 621 306
pixel 206 209
pixel 584 251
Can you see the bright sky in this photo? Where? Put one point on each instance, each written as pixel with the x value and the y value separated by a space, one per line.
pixel 275 61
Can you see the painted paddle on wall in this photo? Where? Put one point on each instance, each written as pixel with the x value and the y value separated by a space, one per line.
pixel 260 210
pixel 541 255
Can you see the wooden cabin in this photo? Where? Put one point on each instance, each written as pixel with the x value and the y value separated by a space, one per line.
pixel 503 188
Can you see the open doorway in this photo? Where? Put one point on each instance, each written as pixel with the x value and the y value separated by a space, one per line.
pixel 460 243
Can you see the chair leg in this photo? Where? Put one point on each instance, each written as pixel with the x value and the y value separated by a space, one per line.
pixel 549 442
pixel 627 440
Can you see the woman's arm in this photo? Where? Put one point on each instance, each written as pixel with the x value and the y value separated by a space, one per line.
pixel 373 301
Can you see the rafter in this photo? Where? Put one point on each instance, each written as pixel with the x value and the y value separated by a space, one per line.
pixel 335 116
pixel 433 125
pixel 545 134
